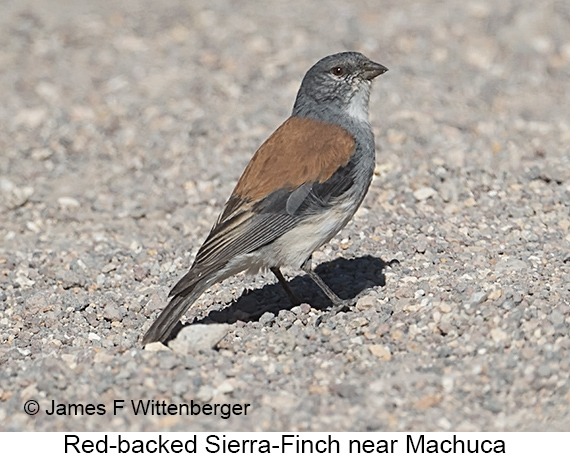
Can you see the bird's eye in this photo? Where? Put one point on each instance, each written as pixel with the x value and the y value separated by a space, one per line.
pixel 337 71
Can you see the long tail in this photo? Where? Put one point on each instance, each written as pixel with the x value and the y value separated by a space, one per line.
pixel 165 323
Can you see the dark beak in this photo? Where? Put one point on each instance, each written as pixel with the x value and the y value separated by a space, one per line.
pixel 373 69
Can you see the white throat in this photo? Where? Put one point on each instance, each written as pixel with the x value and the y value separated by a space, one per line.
pixel 358 105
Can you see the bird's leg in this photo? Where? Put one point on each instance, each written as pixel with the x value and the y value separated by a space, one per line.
pixel 339 303
pixel 292 298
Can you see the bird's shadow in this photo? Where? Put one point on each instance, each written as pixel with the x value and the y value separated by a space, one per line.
pixel 347 277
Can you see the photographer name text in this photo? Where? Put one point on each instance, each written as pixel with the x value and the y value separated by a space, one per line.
pixel 149 408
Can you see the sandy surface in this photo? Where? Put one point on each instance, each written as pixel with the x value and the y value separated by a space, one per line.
pixel 124 127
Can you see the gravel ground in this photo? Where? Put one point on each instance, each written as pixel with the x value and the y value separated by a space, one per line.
pixel 124 127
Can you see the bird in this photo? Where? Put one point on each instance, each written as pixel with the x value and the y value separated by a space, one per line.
pixel 301 187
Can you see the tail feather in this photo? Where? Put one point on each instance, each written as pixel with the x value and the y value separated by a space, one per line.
pixel 170 316
pixel 184 293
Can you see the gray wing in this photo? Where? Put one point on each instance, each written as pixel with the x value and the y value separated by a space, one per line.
pixel 244 226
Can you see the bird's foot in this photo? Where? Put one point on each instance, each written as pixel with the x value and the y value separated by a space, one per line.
pixel 339 306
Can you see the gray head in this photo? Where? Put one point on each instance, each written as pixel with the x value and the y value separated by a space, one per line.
pixel 337 84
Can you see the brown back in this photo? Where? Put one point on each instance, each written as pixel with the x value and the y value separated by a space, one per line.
pixel 301 150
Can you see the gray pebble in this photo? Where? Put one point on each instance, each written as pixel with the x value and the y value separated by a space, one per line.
pixel 266 318
pixel 198 337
